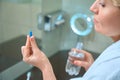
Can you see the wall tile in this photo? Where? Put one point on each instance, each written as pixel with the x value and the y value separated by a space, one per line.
pixel 16 13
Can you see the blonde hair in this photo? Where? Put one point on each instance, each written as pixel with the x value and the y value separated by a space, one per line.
pixel 116 3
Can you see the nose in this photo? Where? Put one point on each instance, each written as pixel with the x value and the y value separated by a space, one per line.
pixel 94 8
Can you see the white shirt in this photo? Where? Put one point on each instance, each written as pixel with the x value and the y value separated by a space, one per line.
pixel 106 66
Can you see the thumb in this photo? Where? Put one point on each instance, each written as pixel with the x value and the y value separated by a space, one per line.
pixel 33 42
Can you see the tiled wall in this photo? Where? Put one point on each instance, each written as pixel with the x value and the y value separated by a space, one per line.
pixel 51 40
pixel 18 19
pixel 49 6
pixel 0 23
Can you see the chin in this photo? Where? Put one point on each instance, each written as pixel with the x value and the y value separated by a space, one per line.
pixel 98 29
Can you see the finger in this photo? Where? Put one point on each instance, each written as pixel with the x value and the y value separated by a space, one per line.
pixel 75 58
pixel 76 55
pixel 71 59
pixel 33 42
pixel 25 51
pixel 22 50
pixel 79 50
pixel 87 54
pixel 28 41
pixel 76 50
pixel 82 64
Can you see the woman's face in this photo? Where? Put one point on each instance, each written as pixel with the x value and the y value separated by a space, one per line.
pixel 106 17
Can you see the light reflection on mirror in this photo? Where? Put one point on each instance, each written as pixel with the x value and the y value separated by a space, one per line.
pixel 80 24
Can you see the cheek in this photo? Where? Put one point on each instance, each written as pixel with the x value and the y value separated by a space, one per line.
pixel 110 25
pixel 104 25
pixel 108 22
pixel 101 26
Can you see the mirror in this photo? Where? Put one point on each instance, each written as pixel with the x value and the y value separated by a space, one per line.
pixel 81 24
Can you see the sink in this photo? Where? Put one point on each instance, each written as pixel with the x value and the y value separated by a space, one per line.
pixel 6 62
pixel 58 61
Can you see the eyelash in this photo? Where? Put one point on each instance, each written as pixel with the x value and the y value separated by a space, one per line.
pixel 102 4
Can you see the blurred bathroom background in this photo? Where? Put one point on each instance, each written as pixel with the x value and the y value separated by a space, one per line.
pixel 18 17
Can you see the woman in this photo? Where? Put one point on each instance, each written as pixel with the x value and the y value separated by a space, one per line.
pixel 107 65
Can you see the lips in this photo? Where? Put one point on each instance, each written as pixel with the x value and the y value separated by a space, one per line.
pixel 95 21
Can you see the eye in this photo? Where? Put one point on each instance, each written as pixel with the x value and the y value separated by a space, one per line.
pixel 102 4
